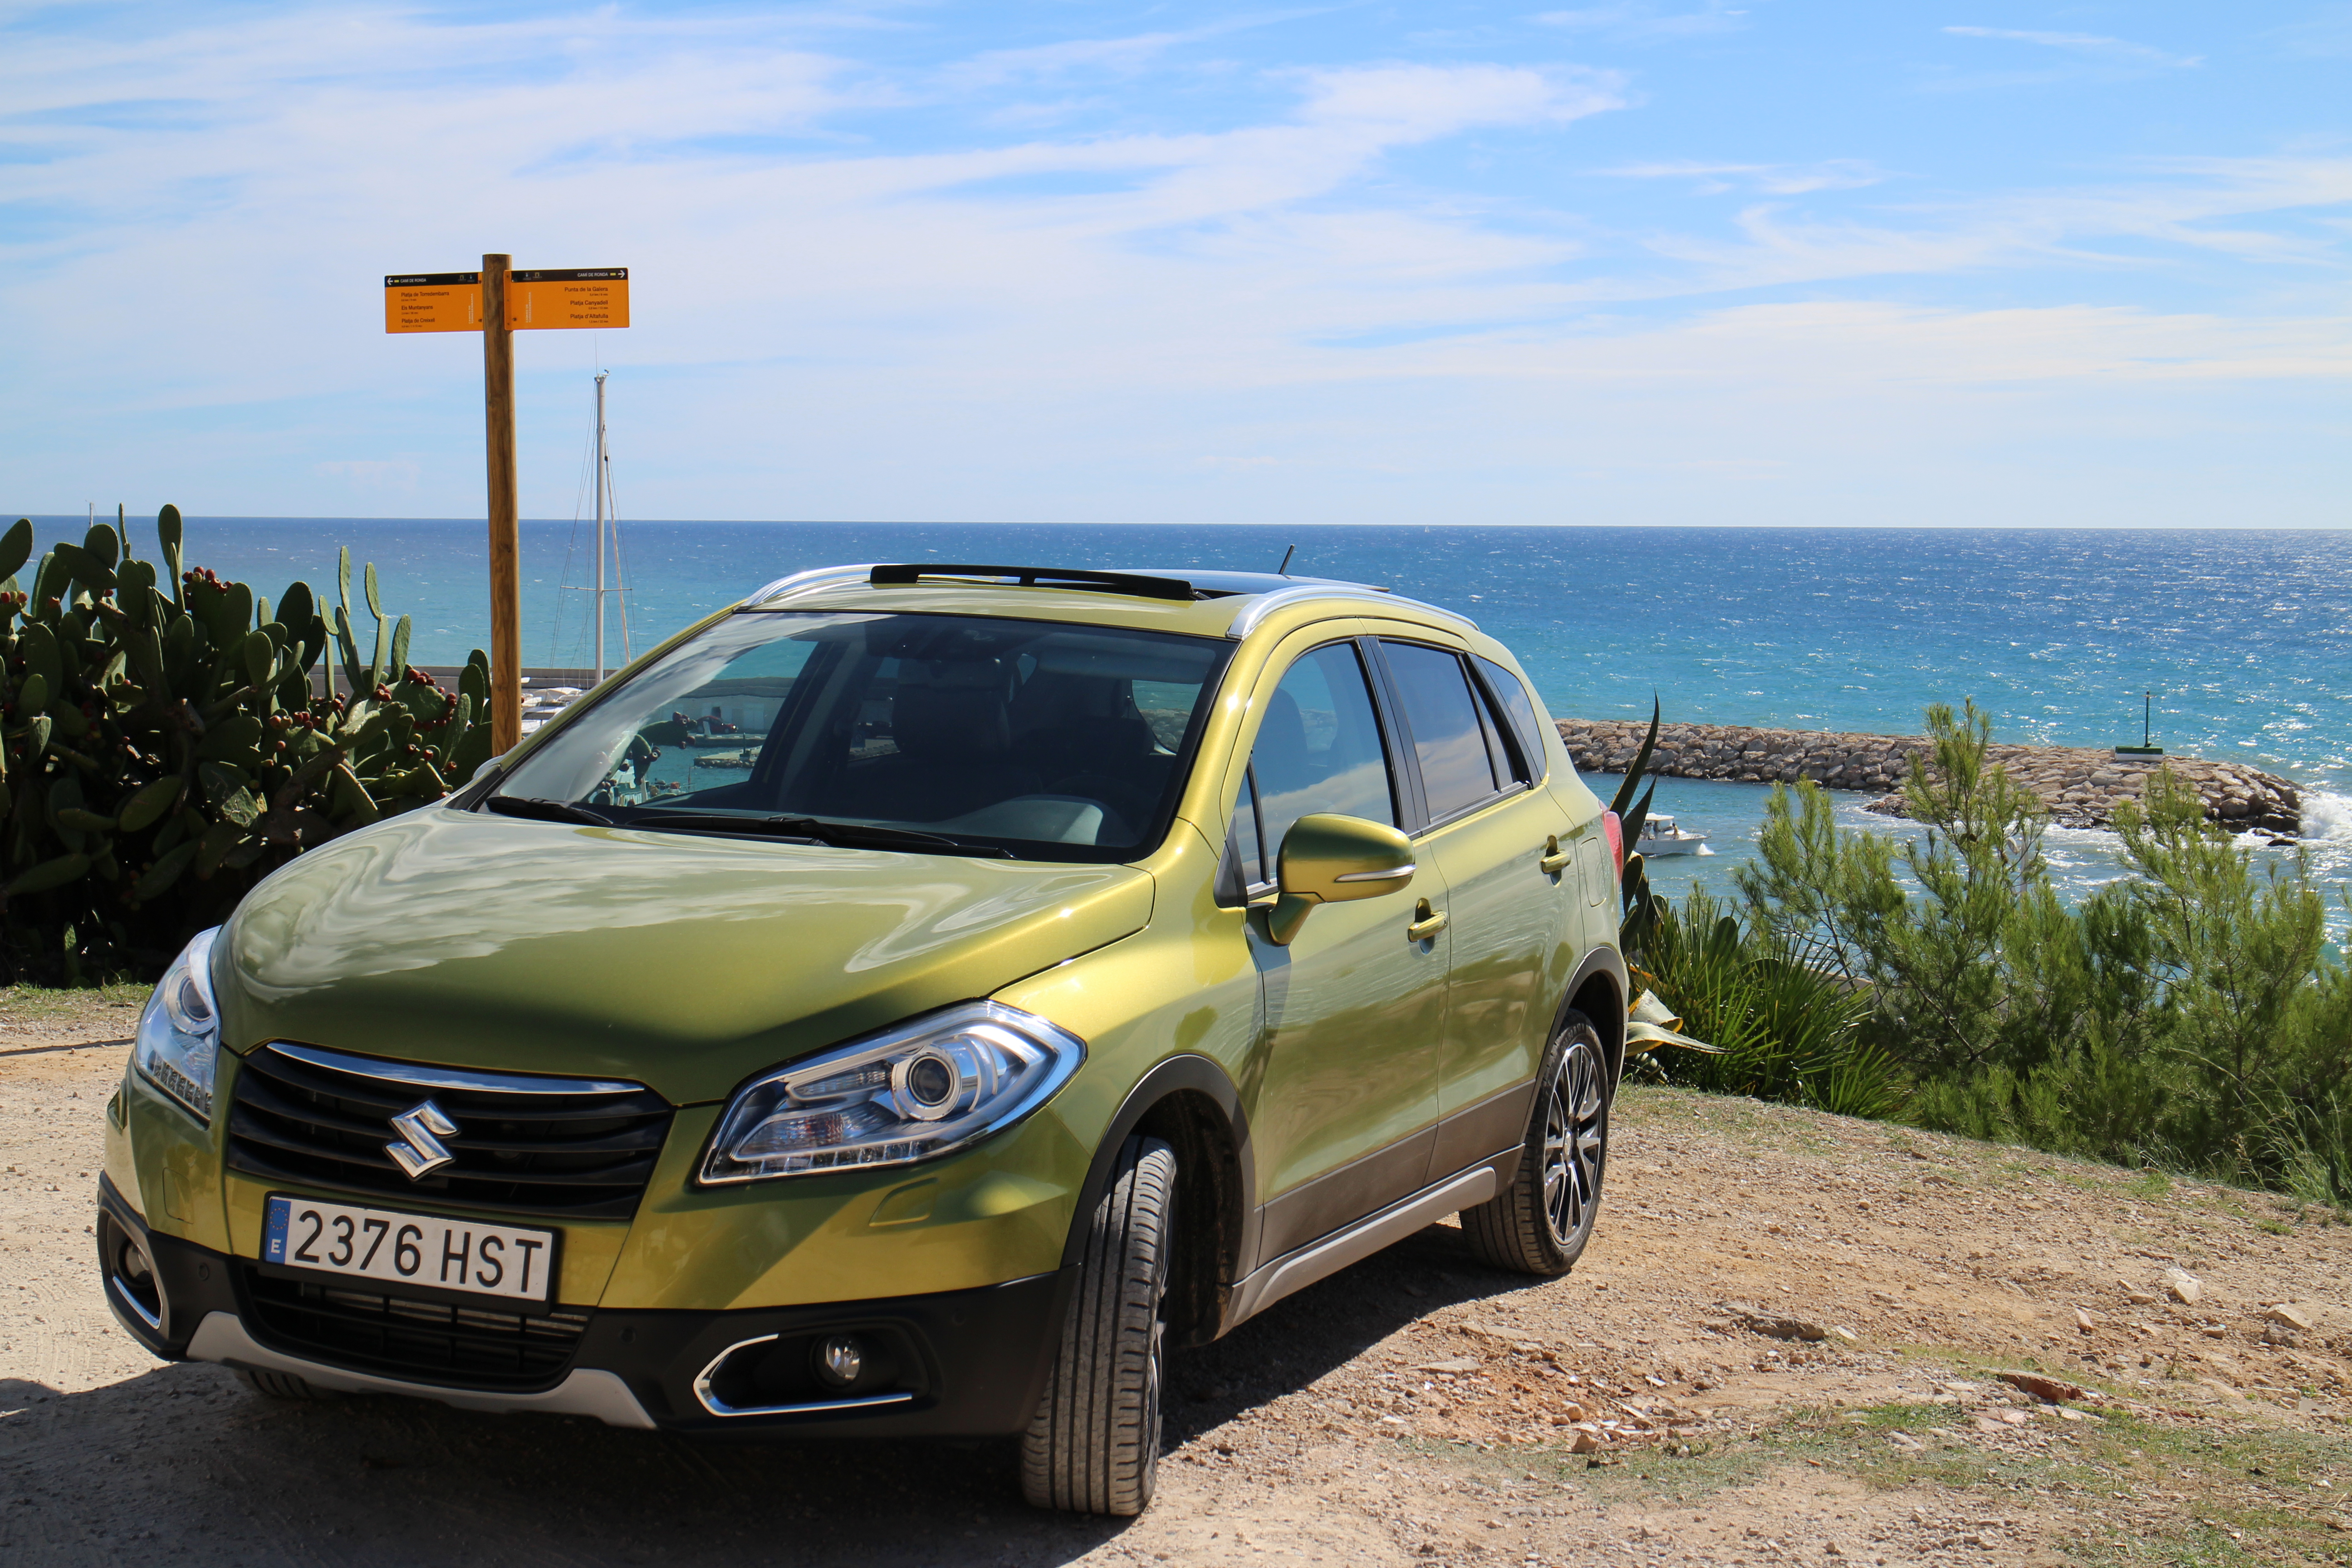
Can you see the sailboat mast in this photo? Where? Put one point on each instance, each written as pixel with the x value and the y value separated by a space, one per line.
pixel 600 527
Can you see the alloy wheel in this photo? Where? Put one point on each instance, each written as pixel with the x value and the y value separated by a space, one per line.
pixel 1575 1142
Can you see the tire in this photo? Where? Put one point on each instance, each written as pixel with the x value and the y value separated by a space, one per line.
pixel 1541 1222
pixel 282 1385
pixel 1093 1444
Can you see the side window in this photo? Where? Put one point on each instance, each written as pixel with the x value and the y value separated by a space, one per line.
pixel 1245 865
pixel 1452 737
pixel 1520 709
pixel 1318 749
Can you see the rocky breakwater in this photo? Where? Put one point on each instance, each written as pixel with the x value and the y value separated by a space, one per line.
pixel 2078 786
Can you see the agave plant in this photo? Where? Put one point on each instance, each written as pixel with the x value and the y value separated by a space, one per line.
pixel 1781 1028
pixel 1637 906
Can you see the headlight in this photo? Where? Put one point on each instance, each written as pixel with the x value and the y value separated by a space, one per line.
pixel 179 1033
pixel 914 1093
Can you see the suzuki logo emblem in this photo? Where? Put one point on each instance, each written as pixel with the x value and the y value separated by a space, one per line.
pixel 420 1151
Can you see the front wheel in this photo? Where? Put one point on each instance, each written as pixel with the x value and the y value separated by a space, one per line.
pixel 1093 1444
pixel 1541 1222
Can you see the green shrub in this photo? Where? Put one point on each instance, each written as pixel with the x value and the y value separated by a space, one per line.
pixel 162 746
pixel 2189 1014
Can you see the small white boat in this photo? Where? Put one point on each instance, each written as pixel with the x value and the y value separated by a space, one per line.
pixel 1661 836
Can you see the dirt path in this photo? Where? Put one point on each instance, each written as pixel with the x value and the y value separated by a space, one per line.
pixel 1417 1408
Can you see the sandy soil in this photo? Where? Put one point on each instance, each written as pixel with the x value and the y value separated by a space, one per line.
pixel 1418 1408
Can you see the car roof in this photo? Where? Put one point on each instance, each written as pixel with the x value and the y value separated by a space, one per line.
pixel 1201 603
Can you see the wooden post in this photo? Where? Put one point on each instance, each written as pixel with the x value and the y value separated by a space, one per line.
pixel 506 565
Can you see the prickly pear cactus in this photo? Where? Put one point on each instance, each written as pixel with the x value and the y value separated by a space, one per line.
pixel 165 744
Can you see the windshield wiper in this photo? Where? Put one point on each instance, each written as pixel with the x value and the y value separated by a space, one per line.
pixel 533 806
pixel 839 834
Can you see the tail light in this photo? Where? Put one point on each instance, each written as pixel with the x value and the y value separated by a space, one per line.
pixel 1616 831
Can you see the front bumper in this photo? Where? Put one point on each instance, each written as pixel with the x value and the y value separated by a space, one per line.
pixel 960 1363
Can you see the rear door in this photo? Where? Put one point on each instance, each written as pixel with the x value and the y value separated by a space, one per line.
pixel 1344 1113
pixel 1513 900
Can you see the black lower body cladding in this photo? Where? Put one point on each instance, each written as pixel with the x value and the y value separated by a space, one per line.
pixel 960 1363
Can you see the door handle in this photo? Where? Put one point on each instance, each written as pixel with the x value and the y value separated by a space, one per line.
pixel 1425 924
pixel 1554 860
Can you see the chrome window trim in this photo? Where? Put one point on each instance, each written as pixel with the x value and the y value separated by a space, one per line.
pixel 421 1076
pixel 1256 610
pixel 1519 787
pixel 717 1406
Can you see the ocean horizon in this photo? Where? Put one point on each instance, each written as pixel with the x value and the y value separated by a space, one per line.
pixel 2242 635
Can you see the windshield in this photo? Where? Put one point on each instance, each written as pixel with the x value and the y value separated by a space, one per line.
pixel 1045 741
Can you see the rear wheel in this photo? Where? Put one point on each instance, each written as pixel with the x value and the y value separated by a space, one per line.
pixel 1093 1444
pixel 1541 1222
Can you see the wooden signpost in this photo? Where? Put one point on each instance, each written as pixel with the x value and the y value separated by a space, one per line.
pixel 496 302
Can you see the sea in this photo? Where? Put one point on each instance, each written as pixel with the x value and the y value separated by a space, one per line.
pixel 2240 640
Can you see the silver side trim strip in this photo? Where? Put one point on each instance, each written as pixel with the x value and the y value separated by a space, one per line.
pixel 710 1400
pixel 418 1076
pixel 588 1390
pixel 808 581
pixel 1257 609
pixel 1297 1270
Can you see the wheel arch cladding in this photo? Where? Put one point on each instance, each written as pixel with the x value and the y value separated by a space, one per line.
pixel 1599 992
pixel 1189 1103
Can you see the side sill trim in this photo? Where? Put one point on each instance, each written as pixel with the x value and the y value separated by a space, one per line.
pixel 588 1390
pixel 710 1401
pixel 1296 1271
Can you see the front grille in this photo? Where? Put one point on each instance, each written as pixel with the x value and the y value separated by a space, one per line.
pixel 565 1149
pixel 398 1336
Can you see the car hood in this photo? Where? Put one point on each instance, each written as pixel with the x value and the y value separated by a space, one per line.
pixel 683 961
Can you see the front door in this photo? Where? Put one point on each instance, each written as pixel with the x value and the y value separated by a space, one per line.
pixel 1345 1109
pixel 1493 833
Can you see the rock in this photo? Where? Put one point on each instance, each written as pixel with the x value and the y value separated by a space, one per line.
pixel 2049 1390
pixel 1772 1325
pixel 1586 1441
pixel 2139 1297
pixel 2287 1315
pixel 2079 787
pixel 2182 1286
pixel 1841 1333
pixel 2084 1321
pixel 1447 1366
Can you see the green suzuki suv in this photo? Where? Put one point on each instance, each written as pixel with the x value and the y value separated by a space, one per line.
pixel 902 1004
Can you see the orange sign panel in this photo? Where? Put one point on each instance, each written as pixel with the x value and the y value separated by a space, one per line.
pixel 432 303
pixel 570 297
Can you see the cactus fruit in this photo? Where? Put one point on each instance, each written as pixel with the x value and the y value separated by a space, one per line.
pixel 164 744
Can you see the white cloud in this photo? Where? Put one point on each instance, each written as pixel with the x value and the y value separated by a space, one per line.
pixel 1774 179
pixel 2088 46
pixel 1646 21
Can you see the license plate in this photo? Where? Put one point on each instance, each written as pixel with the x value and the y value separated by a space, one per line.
pixel 354 1243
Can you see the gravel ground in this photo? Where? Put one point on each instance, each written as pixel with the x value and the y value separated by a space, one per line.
pixel 1418 1408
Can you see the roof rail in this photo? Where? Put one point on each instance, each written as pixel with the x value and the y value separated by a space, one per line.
pixel 1264 605
pixel 808 581
pixel 1043 577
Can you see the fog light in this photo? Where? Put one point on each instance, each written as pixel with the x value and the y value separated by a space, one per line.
pixel 840 1359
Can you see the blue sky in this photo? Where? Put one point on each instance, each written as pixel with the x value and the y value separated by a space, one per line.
pixel 1914 262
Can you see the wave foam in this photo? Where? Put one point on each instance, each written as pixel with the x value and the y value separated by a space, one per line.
pixel 2326 816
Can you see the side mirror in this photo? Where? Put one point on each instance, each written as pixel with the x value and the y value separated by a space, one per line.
pixel 1326 859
